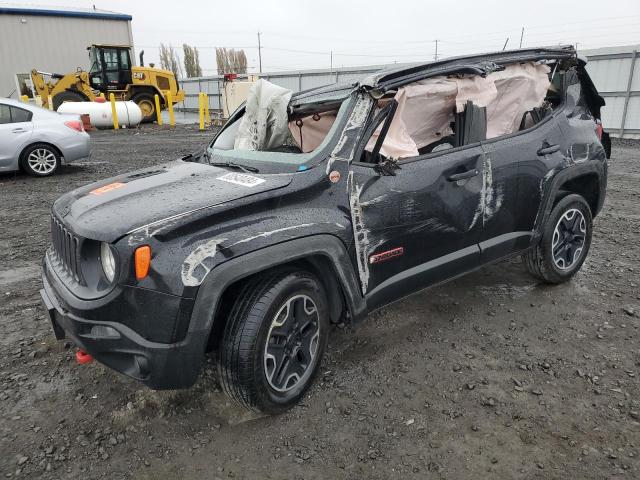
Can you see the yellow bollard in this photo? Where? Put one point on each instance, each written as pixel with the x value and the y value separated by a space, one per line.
pixel 114 112
pixel 201 110
pixel 172 119
pixel 24 98
pixel 102 95
pixel 158 111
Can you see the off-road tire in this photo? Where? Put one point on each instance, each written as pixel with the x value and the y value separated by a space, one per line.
pixel 50 160
pixel 67 96
pixel 539 260
pixel 146 101
pixel 241 353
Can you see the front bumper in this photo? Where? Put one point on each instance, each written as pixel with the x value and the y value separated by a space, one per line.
pixel 157 365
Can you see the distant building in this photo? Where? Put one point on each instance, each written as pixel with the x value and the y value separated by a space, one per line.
pixel 53 40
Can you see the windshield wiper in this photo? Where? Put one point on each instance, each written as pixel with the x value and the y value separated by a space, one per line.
pixel 235 165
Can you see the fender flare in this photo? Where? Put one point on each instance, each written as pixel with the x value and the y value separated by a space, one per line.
pixel 229 272
pixel 552 188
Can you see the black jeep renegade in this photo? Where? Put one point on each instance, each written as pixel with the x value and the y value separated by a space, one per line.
pixel 318 207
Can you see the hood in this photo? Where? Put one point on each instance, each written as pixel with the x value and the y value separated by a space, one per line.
pixel 109 209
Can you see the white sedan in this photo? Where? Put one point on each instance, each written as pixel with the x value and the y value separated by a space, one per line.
pixel 37 141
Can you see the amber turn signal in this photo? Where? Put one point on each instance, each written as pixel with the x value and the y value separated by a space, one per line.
pixel 142 261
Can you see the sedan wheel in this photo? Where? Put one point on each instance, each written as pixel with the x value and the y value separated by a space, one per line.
pixel 40 160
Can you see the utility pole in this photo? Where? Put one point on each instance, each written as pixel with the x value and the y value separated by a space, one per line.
pixel 521 36
pixel 435 56
pixel 331 60
pixel 259 53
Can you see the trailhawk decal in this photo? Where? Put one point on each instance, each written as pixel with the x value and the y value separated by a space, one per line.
pixel 241 179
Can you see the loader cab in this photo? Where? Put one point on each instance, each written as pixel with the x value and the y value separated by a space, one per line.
pixel 110 67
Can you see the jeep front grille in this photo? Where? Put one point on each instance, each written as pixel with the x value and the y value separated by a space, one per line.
pixel 66 247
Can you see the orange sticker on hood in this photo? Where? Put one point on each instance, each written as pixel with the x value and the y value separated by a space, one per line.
pixel 107 188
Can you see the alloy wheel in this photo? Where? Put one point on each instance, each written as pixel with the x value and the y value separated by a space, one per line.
pixel 292 344
pixel 42 161
pixel 568 239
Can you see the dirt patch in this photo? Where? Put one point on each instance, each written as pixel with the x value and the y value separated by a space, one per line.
pixel 490 376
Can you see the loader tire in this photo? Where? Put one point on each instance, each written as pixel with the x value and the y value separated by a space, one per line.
pixel 147 104
pixel 67 96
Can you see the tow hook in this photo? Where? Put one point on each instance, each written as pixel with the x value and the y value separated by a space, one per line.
pixel 83 357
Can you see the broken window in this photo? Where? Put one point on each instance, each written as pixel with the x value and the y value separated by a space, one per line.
pixel 450 111
pixel 275 127
pixel 274 121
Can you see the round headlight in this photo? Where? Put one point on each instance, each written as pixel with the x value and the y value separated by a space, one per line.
pixel 108 261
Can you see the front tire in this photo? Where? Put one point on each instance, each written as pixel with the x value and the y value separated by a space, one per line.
pixel 565 241
pixel 40 160
pixel 274 340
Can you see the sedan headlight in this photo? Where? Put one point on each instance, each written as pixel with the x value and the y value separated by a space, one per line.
pixel 108 261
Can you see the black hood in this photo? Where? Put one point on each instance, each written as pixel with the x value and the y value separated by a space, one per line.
pixel 109 209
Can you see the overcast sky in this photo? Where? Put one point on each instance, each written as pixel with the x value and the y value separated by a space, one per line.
pixel 299 34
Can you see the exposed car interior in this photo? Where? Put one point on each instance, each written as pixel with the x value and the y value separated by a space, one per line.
pixel 446 112
pixel 430 115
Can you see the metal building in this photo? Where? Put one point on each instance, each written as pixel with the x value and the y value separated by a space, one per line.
pixel 53 40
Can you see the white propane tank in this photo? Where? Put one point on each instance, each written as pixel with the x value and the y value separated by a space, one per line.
pixel 129 113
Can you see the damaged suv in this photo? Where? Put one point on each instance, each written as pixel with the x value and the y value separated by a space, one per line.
pixel 318 207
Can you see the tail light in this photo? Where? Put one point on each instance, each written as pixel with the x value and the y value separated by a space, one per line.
pixel 75 125
pixel 599 129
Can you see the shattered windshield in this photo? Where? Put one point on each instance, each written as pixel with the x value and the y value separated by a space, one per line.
pixel 276 127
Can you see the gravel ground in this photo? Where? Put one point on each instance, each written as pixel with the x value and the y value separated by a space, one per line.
pixel 490 376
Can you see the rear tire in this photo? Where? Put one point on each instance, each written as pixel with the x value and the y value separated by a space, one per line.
pixel 565 241
pixel 274 340
pixel 147 104
pixel 40 160
pixel 67 96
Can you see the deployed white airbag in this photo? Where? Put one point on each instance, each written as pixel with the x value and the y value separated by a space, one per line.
pixel 265 122
pixel 427 108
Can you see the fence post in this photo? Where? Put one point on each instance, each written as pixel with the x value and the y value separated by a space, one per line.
pixel 628 93
pixel 172 118
pixel 158 111
pixel 114 112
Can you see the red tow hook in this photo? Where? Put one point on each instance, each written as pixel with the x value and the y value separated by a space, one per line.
pixel 83 357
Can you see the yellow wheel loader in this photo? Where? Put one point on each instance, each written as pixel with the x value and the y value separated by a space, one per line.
pixel 111 72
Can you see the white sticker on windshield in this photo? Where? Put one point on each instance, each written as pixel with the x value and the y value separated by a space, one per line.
pixel 241 179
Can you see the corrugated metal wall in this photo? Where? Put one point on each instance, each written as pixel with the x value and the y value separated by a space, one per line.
pixel 52 44
pixel 296 81
pixel 610 69
pixel 616 74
